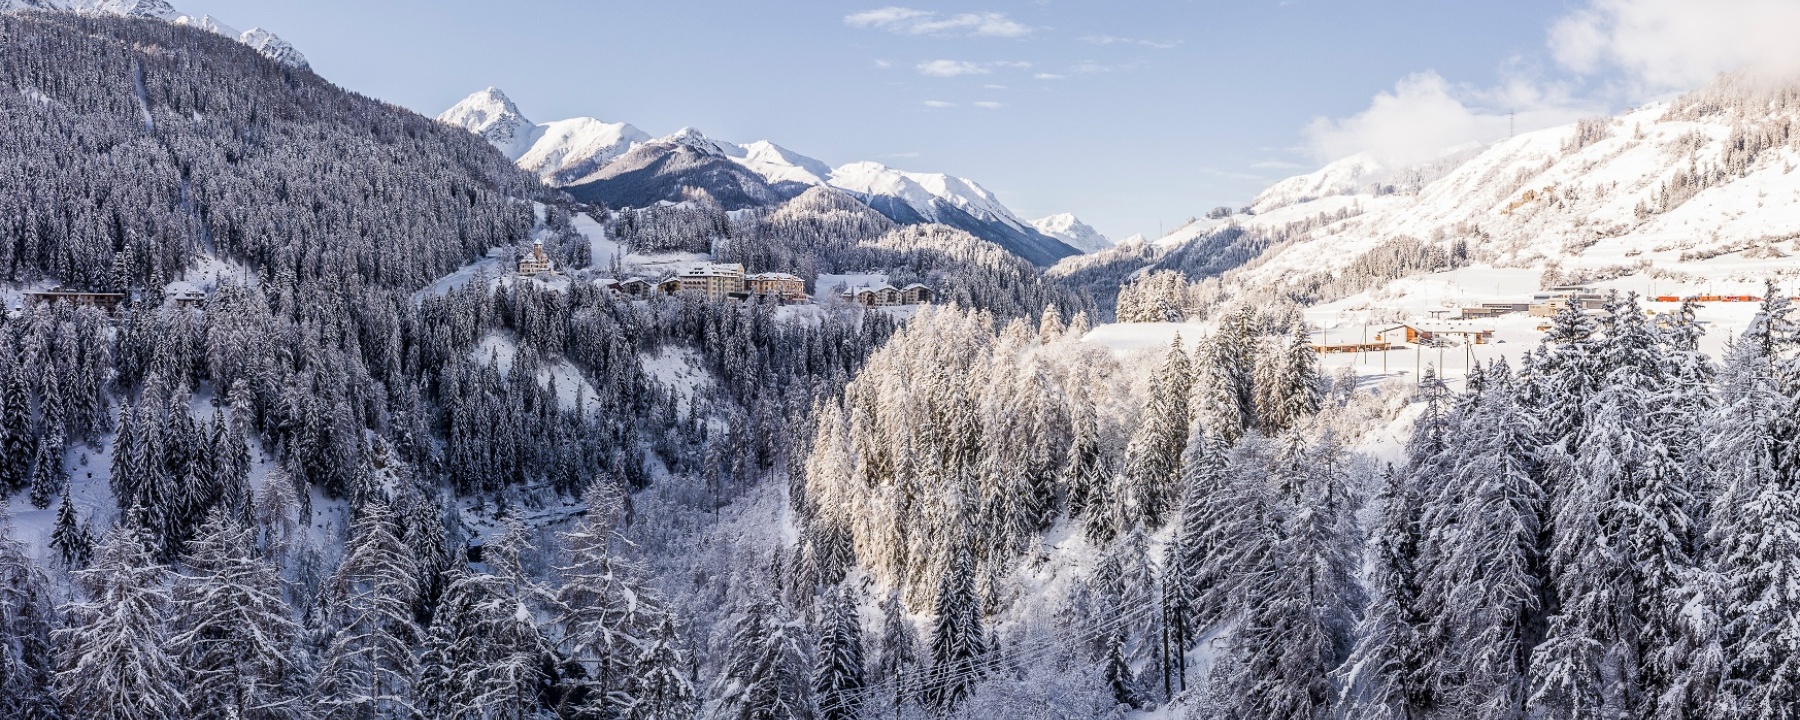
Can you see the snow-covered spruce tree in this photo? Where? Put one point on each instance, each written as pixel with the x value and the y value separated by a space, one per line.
pixel 1619 548
pixel 898 660
pixel 16 438
pixel 27 657
pixel 1295 619
pixel 366 668
pixel 1382 678
pixel 1153 459
pixel 234 635
pixel 48 476
pixel 606 614
pixel 113 655
pixel 958 638
pixel 1288 388
pixel 1753 541
pixel 489 650
pixel 661 689
pixel 1224 386
pixel 839 675
pixel 1485 576
pixel 1083 475
pixel 70 538
pixel 767 674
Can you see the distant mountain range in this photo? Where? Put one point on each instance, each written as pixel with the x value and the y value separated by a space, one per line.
pixel 261 40
pixel 620 165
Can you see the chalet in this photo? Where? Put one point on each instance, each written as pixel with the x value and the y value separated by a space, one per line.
pixel 668 285
pixel 1426 333
pixel 915 294
pixel 78 298
pixel 881 295
pixel 637 287
pixel 537 262
pixel 714 280
pixel 779 286
pixel 187 298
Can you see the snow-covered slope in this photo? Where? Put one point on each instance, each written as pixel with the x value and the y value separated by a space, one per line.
pixel 1681 197
pixel 1073 232
pixel 261 40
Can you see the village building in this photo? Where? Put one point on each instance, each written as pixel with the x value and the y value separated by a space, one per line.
pixel 1426 333
pixel 1555 300
pixel 915 294
pixel 1488 310
pixel 714 280
pixel 782 287
pixel 537 262
pixel 78 298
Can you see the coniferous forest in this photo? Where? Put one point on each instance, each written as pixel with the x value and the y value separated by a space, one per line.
pixel 344 488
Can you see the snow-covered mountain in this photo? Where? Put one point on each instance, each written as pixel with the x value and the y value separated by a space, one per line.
pixel 1679 196
pixel 565 152
pixel 1073 232
pixel 618 164
pixel 261 40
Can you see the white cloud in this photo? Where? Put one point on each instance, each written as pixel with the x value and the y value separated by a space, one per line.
pixel 1424 116
pixel 989 105
pixel 1047 76
pixel 954 68
pixel 1277 165
pixel 1094 68
pixel 951 68
pixel 1664 45
pixel 939 104
pixel 908 21
pixel 995 87
pixel 902 155
pixel 1116 40
pixel 883 64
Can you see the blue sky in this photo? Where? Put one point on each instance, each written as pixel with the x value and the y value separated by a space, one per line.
pixel 1131 114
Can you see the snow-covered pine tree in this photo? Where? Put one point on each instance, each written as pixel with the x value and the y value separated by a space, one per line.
pixel 233 633
pixel 27 657
pixel 70 539
pixel 661 689
pixel 1754 540
pixel 1289 390
pixel 1153 459
pixel 113 651
pixel 1296 620
pixel 1382 677
pixel 839 674
pixel 16 440
pixel 605 614
pixel 1084 475
pixel 48 476
pixel 958 639
pixel 1224 391
pixel 1485 575
pixel 496 655
pixel 899 656
pixel 367 668
pixel 767 674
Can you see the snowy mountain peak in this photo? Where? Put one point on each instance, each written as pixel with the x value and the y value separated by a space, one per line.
pixel 1072 231
pixel 493 116
pixel 258 39
pixel 158 9
pixel 920 190
pixel 274 48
